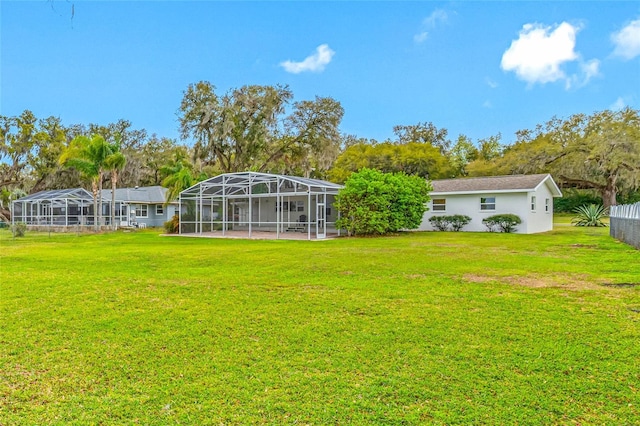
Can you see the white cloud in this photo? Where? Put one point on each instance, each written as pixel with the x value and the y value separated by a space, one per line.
pixel 314 63
pixel 491 83
pixel 627 40
pixel 487 104
pixel 588 70
pixel 538 53
pixel 420 37
pixel 437 16
pixel 618 104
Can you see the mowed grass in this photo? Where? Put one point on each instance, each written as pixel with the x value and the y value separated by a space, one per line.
pixel 420 328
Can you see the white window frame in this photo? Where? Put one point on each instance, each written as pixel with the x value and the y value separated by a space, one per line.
pixel 159 209
pixel 140 210
pixel 440 206
pixel 547 205
pixel 485 205
pixel 533 203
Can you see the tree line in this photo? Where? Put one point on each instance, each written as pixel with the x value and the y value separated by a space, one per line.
pixel 262 128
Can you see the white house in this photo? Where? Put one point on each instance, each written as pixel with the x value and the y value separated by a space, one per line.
pixel 141 206
pixel 528 196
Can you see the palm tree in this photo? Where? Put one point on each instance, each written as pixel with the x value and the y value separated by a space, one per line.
pixel 114 163
pixel 177 181
pixel 88 157
pixel 178 176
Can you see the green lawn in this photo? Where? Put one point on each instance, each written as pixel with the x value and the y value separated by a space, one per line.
pixel 436 328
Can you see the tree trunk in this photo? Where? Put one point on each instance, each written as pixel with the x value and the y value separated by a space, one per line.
pixel 114 182
pixel 94 189
pixel 609 194
pixel 5 215
pixel 100 176
pixel 610 191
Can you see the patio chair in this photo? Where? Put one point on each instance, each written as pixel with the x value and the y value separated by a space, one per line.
pixel 302 221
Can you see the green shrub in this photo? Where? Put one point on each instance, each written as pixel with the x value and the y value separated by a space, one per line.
pixel 456 222
pixel 172 226
pixel 574 198
pixel 376 203
pixel 629 197
pixel 590 215
pixel 503 222
pixel 441 223
pixel 18 229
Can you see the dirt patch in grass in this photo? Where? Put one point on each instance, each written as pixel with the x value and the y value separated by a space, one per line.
pixel 621 285
pixel 565 281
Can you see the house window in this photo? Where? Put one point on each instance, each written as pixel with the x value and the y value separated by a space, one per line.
pixel 142 211
pixel 547 205
pixel 300 205
pixel 533 203
pixel 439 204
pixel 159 210
pixel 487 203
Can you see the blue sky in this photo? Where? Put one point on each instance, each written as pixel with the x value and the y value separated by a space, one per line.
pixel 474 68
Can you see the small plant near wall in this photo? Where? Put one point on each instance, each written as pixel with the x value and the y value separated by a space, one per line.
pixel 456 222
pixel 172 226
pixel 502 222
pixel 590 215
pixel 18 229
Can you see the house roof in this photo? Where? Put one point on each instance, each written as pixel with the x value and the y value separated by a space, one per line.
pixel 59 194
pixel 495 184
pixel 142 194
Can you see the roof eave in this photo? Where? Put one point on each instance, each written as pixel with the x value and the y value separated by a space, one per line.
pixel 484 191
pixel 551 184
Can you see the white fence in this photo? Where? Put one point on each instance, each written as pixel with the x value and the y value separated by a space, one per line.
pixel 625 211
pixel 625 223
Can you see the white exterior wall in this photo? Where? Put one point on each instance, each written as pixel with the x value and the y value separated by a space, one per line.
pixel 153 219
pixel 539 220
pixel 517 203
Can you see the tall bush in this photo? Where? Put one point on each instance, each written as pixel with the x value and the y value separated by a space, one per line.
pixel 376 203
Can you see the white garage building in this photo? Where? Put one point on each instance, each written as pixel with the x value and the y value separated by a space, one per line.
pixel 528 196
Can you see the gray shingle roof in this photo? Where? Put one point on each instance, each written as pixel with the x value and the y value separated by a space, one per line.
pixel 511 183
pixel 143 194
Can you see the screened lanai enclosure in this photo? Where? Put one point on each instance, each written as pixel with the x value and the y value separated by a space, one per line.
pixel 63 208
pixel 260 205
